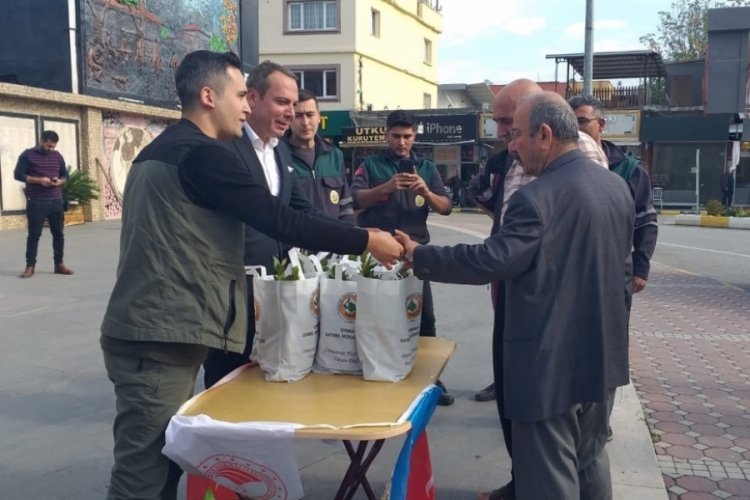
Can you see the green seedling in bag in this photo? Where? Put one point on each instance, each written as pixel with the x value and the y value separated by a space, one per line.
pixel 279 268
pixel 367 267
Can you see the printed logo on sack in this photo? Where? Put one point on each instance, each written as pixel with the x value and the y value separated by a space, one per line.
pixel 348 307
pixel 244 476
pixel 413 306
pixel 256 309
pixel 314 307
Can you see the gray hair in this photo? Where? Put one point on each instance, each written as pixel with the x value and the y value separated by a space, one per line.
pixel 556 113
pixel 587 100
pixel 258 77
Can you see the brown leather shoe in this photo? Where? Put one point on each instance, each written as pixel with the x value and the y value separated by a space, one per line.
pixel 63 269
pixel 28 272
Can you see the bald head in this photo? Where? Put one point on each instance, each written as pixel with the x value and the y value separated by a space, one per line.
pixel 506 101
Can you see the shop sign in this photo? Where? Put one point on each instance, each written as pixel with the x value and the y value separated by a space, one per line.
pixel 333 122
pixel 446 128
pixel 447 154
pixel 363 135
pixel 622 125
pixel 489 127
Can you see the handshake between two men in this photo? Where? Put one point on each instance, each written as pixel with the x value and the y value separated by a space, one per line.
pixel 384 247
pixel 387 248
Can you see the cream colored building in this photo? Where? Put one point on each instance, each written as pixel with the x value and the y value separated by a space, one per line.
pixel 357 55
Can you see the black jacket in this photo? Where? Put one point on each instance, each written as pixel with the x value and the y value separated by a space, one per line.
pixel 645 230
pixel 488 188
pixel 260 249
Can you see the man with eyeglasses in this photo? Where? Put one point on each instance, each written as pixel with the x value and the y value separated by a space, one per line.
pixel 590 115
pixel 564 242
pixel 504 175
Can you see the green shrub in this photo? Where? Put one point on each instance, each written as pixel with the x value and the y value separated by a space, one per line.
pixel 714 207
pixel 79 187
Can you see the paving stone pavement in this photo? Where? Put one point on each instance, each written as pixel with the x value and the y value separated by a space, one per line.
pixel 690 365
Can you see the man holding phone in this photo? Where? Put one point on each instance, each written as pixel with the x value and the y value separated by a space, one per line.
pixel 43 170
pixel 395 190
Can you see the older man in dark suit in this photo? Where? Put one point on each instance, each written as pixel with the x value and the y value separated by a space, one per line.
pixel 564 253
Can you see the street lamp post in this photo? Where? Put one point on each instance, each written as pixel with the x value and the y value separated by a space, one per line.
pixel 588 55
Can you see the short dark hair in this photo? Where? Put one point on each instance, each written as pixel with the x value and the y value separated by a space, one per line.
pixel 400 118
pixel 306 95
pixel 50 136
pixel 556 113
pixel 577 101
pixel 258 77
pixel 200 69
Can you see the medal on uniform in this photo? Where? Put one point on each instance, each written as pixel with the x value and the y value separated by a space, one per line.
pixel 419 200
pixel 334 197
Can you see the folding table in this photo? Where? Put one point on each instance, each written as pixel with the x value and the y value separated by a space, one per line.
pixel 340 407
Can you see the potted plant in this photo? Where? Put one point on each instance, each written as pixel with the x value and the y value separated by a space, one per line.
pixel 78 191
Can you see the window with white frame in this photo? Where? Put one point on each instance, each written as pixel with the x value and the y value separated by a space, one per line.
pixel 427 51
pixel 312 15
pixel 323 82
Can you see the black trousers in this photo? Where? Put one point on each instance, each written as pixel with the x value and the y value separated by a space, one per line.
pixel 497 367
pixel 727 197
pixel 427 324
pixel 218 363
pixel 37 211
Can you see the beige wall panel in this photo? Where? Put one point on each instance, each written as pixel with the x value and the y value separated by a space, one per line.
pixel 68 145
pixel 16 135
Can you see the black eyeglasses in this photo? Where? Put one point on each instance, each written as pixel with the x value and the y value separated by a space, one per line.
pixel 584 121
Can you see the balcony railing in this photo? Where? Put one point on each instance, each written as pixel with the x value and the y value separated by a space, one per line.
pixel 433 4
pixel 617 97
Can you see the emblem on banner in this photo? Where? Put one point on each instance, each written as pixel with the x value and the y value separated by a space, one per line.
pixel 245 476
pixel 419 200
pixel 334 197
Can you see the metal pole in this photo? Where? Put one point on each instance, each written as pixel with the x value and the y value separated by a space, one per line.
pixel 588 55
pixel 698 181
pixel 72 27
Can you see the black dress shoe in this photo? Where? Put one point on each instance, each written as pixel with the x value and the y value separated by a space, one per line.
pixel 507 492
pixel 445 399
pixel 486 394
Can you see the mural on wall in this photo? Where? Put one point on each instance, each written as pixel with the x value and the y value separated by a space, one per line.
pixel 124 137
pixel 132 47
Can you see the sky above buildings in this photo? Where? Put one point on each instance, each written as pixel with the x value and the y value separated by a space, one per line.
pixel 501 40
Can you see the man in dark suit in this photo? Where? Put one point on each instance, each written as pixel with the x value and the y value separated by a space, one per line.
pixel 272 93
pixel 564 253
